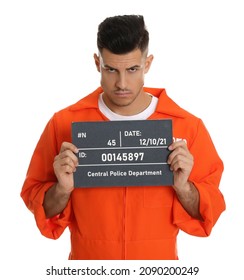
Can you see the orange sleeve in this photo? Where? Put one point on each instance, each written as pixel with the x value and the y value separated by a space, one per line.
pixel 206 175
pixel 39 178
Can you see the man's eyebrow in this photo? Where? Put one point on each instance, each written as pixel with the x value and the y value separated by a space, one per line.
pixel 107 66
pixel 135 66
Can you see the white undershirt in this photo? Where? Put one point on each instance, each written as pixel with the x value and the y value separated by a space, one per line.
pixel 116 117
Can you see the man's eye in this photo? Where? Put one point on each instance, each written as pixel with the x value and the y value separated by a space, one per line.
pixel 132 70
pixel 110 70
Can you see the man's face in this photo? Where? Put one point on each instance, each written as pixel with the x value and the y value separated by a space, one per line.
pixel 122 79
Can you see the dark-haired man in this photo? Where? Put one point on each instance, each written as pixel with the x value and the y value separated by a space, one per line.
pixel 139 222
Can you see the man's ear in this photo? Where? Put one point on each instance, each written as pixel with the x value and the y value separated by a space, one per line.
pixel 148 63
pixel 97 62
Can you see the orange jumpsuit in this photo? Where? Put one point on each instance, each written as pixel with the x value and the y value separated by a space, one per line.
pixel 125 222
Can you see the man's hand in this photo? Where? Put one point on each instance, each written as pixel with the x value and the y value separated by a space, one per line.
pixel 65 165
pixel 57 197
pixel 181 163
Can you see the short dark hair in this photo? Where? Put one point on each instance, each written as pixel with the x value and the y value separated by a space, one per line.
pixel 123 34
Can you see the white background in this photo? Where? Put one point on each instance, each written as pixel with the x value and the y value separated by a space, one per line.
pixel 46 63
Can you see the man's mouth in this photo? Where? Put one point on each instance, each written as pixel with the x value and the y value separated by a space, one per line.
pixel 122 92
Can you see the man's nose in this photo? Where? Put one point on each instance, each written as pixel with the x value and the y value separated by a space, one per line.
pixel 121 81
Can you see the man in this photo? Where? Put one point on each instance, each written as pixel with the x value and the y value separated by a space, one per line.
pixel 125 222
